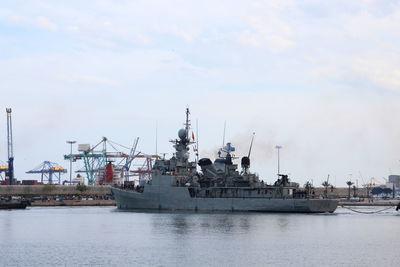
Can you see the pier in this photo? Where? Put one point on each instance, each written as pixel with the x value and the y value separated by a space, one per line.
pixel 59 195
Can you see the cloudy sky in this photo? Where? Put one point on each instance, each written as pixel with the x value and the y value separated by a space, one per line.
pixel 320 78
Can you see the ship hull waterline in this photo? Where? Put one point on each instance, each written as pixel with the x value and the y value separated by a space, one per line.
pixel 180 199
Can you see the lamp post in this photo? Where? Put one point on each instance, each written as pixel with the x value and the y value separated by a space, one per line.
pixel 278 148
pixel 70 161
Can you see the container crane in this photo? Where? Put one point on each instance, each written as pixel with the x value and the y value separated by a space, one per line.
pixel 3 168
pixel 98 160
pixel 47 169
pixel 129 159
pixel 103 166
pixel 144 170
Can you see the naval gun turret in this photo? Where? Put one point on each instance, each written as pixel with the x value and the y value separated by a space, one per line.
pixel 245 163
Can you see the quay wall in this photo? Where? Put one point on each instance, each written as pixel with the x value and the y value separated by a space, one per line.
pixel 342 192
pixel 53 190
pixel 53 203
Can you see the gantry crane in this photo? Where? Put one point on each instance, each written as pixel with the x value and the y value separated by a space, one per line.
pixel 144 170
pixel 3 168
pixel 129 159
pixel 47 169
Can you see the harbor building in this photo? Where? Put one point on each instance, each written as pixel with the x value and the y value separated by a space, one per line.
pixel 395 179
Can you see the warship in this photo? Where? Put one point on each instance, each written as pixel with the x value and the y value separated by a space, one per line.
pixel 175 184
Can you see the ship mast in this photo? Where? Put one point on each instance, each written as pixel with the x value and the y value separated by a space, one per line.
pixel 187 124
pixel 181 144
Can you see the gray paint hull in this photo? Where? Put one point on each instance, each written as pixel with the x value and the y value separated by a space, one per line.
pixel 178 198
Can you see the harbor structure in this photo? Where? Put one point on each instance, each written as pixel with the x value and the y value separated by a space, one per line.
pixel 70 142
pixel 48 172
pixel 395 180
pixel 109 162
pixel 10 168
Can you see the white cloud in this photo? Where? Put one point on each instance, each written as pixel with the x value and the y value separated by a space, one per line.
pixel 185 32
pixel 381 70
pixel 274 34
pixel 249 38
pixel 43 22
pixel 86 79
pixel 72 28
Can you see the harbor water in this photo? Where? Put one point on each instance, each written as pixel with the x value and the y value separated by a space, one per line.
pixel 105 236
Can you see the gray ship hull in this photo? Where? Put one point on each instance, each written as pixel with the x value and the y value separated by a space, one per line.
pixel 178 198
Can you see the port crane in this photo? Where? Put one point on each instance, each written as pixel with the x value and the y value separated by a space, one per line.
pixel 144 170
pixel 47 170
pixel 3 168
pixel 98 161
pixel 10 167
pixel 128 161
pixel 93 159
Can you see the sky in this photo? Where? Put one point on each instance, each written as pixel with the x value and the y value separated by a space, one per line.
pixel 319 78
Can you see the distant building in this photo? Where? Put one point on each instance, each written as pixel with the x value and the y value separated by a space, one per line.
pixel 395 179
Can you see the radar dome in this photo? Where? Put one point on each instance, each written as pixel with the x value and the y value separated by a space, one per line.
pixel 182 134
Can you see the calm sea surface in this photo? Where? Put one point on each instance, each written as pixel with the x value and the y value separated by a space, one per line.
pixel 104 236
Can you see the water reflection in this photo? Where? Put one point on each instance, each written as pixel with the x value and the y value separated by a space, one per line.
pixel 6 223
pixel 283 223
pixel 189 223
pixel 244 223
pixel 180 225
